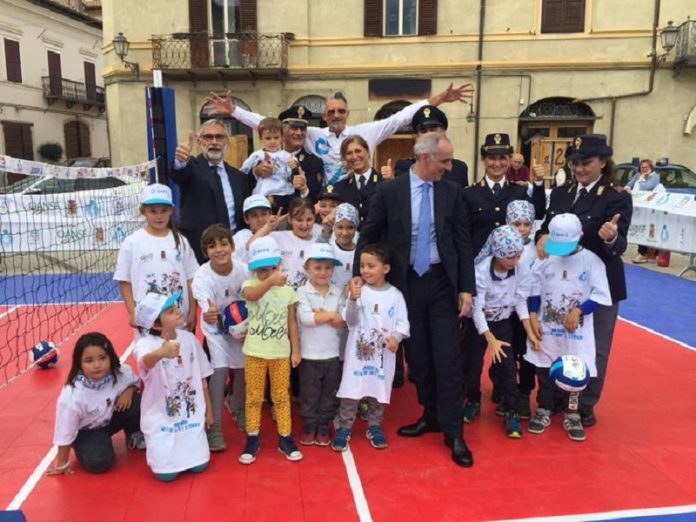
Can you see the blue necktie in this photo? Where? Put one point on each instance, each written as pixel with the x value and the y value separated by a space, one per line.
pixel 421 259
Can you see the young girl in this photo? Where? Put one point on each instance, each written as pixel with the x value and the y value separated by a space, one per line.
pixel 271 346
pixel 157 258
pixel 324 209
pixel 257 210
pixel 176 406
pixel 100 398
pixel 377 322
pixel 344 240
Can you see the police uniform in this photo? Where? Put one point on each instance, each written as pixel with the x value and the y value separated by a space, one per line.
pixel 432 117
pixel 360 198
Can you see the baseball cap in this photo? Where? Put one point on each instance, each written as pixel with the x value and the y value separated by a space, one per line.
pixel 565 231
pixel 256 201
pixel 263 252
pixel 323 251
pixel 157 194
pixel 151 306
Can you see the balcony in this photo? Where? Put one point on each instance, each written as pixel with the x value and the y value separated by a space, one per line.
pixel 685 48
pixel 236 55
pixel 71 92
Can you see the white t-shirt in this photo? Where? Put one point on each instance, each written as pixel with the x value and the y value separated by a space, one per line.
pixel 89 404
pixel 368 370
pixel 529 255
pixel 225 350
pixel 172 409
pixel 294 251
pixel 279 183
pixel 564 282
pixel 344 273
pixel 240 239
pixel 319 341
pixel 153 264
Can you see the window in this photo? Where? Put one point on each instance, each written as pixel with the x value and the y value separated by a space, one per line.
pixel 224 17
pixel 18 140
pixel 54 74
pixel 90 81
pixel 563 16
pixel 314 103
pixel 400 17
pixel 13 62
pixel 77 139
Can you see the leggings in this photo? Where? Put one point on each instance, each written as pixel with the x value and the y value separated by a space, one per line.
pixel 278 370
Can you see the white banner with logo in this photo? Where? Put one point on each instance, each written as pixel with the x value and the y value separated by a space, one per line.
pixel 664 220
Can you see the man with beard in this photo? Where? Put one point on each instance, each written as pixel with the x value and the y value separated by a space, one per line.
pixel 212 191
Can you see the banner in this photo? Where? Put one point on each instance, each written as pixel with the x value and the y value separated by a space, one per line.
pixel 35 168
pixel 664 220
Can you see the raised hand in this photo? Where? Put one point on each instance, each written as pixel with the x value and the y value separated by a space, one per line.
pixel 169 349
pixel 278 278
pixel 387 171
pixel 541 253
pixel 610 229
pixel 354 288
pixel 463 93
pixel 210 316
pixel 264 168
pixel 538 171
pixel 299 180
pixel 183 149
pixel 218 104
pixel 275 219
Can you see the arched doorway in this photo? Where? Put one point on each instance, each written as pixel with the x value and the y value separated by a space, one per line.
pixel 399 145
pixel 241 143
pixel 548 125
pixel 314 103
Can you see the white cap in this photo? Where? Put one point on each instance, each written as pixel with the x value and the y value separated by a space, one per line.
pixel 151 306
pixel 323 251
pixel 157 194
pixel 565 231
pixel 255 201
pixel 263 252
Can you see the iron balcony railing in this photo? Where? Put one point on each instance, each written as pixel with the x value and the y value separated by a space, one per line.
pixel 190 51
pixel 72 92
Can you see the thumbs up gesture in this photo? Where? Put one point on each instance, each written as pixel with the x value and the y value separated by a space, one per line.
pixel 264 168
pixel 183 149
pixel 211 314
pixel 538 171
pixel 610 229
pixel 299 180
pixel 387 171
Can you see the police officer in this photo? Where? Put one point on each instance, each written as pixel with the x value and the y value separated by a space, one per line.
pixel 431 119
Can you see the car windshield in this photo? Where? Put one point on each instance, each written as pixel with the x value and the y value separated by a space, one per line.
pixel 84 162
pixel 21 185
pixel 677 178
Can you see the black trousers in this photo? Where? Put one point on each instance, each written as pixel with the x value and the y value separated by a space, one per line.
pixel 432 351
pixel 550 397
pixel 94 449
pixel 526 371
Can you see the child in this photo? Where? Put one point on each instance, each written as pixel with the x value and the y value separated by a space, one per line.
pixel 257 210
pixel 271 346
pixel 324 209
pixel 319 310
pixel 501 287
pixel 176 406
pixel 278 186
pixel 216 284
pixel 344 240
pixel 100 398
pixel 377 322
pixel 157 258
pixel 567 286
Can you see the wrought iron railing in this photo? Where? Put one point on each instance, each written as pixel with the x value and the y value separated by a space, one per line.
pixel 685 48
pixel 185 51
pixel 72 92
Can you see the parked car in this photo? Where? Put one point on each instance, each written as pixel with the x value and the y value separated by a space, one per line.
pixel 51 185
pixel 88 162
pixel 674 177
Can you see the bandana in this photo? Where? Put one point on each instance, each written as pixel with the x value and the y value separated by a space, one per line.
pixel 349 212
pixel 93 384
pixel 520 210
pixel 503 242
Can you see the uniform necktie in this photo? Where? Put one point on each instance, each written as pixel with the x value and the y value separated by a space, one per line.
pixel 421 259
pixel 361 182
pixel 582 193
pixel 496 189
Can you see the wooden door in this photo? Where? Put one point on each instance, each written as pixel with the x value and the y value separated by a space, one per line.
pixel 395 148
pixel 549 152
pixel 236 151
pixel 55 75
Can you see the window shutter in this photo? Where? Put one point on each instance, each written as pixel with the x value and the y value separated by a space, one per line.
pixel 18 140
pixel 427 17
pixel 247 16
pixel 373 23
pixel 77 139
pixel 563 16
pixel 90 81
pixel 574 19
pixel 13 62
pixel 55 74
pixel 198 23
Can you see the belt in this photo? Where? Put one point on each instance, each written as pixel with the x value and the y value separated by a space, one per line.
pixel 432 268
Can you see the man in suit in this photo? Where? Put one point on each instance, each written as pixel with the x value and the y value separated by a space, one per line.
pixel 420 218
pixel 212 191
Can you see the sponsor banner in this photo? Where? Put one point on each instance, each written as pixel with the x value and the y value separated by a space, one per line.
pixel 664 220
pixel 35 168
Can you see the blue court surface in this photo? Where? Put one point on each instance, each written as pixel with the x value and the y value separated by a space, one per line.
pixel 58 288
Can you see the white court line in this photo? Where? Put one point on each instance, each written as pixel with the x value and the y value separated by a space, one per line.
pixel 356 486
pixel 40 470
pixel 659 334
pixel 612 515
pixel 8 312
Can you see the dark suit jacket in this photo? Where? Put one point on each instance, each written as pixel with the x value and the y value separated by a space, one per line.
pixel 202 201
pixel 390 222
pixel 598 207
pixel 361 199
pixel 459 173
pixel 485 211
pixel 313 168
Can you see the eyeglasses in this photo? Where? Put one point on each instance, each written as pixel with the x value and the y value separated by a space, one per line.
pixel 331 112
pixel 211 137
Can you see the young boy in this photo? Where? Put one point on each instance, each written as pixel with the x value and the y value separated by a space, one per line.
pixel 324 209
pixel 271 346
pixel 216 284
pixel 319 312
pixel 566 288
pixel 344 239
pixel 256 210
pixel 277 187
pixel 377 322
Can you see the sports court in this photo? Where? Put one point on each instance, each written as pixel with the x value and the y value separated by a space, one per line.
pixel 636 464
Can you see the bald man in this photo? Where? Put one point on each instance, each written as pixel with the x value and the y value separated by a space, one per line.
pixel 518 171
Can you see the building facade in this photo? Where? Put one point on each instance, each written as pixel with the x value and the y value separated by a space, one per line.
pixel 544 70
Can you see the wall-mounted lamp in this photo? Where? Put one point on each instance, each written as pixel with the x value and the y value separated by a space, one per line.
pixel 471 116
pixel 668 37
pixel 121 45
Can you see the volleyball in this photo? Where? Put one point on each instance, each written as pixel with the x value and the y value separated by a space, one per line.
pixel 44 354
pixel 570 373
pixel 234 319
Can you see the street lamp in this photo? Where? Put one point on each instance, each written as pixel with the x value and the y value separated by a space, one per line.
pixel 668 37
pixel 121 46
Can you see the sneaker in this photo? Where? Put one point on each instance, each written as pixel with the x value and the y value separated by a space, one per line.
pixel 587 417
pixel 522 407
pixel 471 411
pixel 322 438
pixel 376 437
pixel 136 440
pixel 340 442
pixel 216 441
pixel 512 425
pixel 573 425
pixel 286 445
pixel 640 259
pixel 497 395
pixel 363 409
pixel 308 436
pixel 540 421
pixel 251 449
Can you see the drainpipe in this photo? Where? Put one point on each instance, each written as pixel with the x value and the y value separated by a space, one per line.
pixel 477 111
